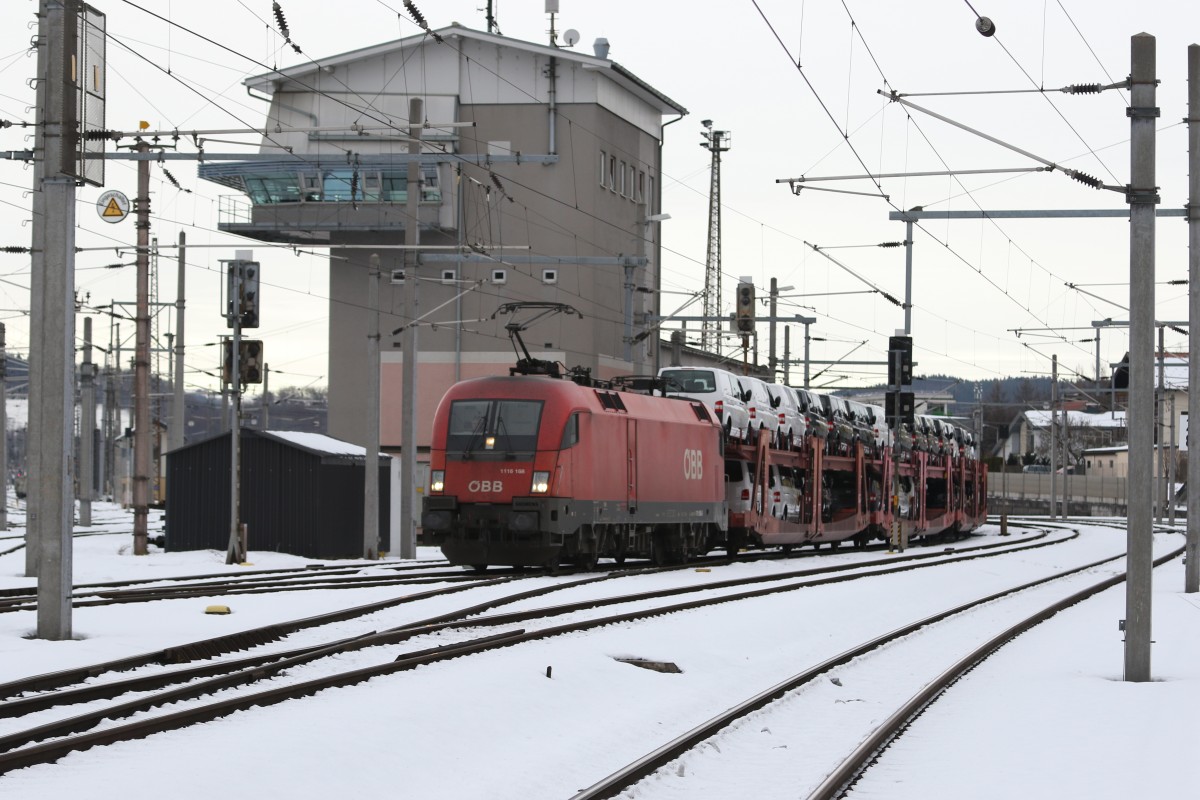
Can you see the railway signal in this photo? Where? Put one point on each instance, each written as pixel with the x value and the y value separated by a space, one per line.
pixel 900 368
pixel 900 408
pixel 745 307
pixel 250 361
pixel 242 293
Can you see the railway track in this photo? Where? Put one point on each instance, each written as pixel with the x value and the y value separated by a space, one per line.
pixel 318 577
pixel 839 670
pixel 217 683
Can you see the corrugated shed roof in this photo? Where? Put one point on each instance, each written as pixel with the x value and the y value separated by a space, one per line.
pixel 319 443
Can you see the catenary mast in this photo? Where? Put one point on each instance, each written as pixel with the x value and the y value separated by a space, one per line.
pixel 715 142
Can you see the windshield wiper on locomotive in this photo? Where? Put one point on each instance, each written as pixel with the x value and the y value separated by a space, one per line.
pixel 479 428
pixel 502 430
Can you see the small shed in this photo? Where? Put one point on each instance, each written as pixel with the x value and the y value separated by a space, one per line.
pixel 301 493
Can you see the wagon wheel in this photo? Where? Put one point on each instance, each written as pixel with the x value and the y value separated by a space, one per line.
pixel 732 545
pixel 659 556
pixel 479 569
pixel 587 560
pixel 620 545
pixel 787 549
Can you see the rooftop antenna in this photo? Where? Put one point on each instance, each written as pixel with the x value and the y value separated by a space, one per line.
pixel 492 25
pixel 552 9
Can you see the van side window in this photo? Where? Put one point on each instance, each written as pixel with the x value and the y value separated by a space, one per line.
pixel 570 436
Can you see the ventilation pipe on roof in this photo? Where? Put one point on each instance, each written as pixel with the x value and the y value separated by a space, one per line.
pixel 600 46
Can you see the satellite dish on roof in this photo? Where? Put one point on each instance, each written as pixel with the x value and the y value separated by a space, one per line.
pixel 571 36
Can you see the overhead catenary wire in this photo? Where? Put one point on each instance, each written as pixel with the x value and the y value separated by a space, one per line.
pixel 846 137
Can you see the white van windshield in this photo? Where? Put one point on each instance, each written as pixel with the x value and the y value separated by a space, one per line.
pixel 692 381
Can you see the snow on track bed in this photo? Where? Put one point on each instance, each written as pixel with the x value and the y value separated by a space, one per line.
pixel 805 736
pixel 559 734
pixel 144 709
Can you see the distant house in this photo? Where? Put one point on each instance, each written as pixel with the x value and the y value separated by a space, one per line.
pixel 1029 432
pixel 1113 462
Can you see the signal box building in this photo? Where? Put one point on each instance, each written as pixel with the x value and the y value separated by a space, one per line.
pixel 540 181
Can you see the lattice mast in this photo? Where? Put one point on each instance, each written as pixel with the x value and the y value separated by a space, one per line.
pixel 716 142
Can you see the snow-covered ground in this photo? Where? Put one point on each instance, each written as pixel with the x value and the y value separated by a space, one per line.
pixel 1047 717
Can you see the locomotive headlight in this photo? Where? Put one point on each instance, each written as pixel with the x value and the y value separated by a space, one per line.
pixel 489 443
pixel 437 480
pixel 541 483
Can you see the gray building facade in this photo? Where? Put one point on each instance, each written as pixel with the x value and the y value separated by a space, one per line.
pixel 540 180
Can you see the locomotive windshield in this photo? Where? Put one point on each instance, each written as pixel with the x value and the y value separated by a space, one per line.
pixel 506 427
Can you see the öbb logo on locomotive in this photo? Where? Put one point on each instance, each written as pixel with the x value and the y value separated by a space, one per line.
pixel 479 487
pixel 693 465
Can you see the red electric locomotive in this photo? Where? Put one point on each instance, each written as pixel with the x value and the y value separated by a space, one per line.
pixel 535 471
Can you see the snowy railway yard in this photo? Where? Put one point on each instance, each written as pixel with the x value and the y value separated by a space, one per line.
pixel 419 680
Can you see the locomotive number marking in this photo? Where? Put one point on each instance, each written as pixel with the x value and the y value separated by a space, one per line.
pixel 485 486
pixel 693 465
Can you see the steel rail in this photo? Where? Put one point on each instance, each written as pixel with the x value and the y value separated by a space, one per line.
pixel 254 669
pixel 253 637
pixel 627 776
pixel 852 768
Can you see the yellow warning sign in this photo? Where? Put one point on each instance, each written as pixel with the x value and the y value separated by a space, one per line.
pixel 113 206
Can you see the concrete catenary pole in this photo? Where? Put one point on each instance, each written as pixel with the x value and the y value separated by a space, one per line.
pixel 1171 465
pixel 141 364
pixel 87 427
pixel 1054 437
pixel 371 482
pixel 908 246
pixel 179 393
pixel 37 291
pixel 1191 575
pixel 408 414
pixel 1142 197
pixel 264 421
pixel 52 325
pixel 787 355
pixel 807 340
pixel 772 363
pixel 3 433
pixel 1160 495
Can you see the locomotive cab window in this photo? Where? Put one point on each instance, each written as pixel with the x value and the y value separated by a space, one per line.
pixel 570 436
pixel 501 427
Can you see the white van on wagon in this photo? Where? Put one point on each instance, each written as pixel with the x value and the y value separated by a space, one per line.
pixel 792 424
pixel 720 391
pixel 764 409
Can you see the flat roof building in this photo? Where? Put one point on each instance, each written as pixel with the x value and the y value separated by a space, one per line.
pixel 540 181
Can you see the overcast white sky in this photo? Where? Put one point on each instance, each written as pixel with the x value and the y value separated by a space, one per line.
pixel 725 62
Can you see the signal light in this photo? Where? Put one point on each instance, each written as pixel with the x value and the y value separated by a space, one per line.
pixel 745 307
pixel 250 361
pixel 900 361
pixel 241 282
pixel 900 407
